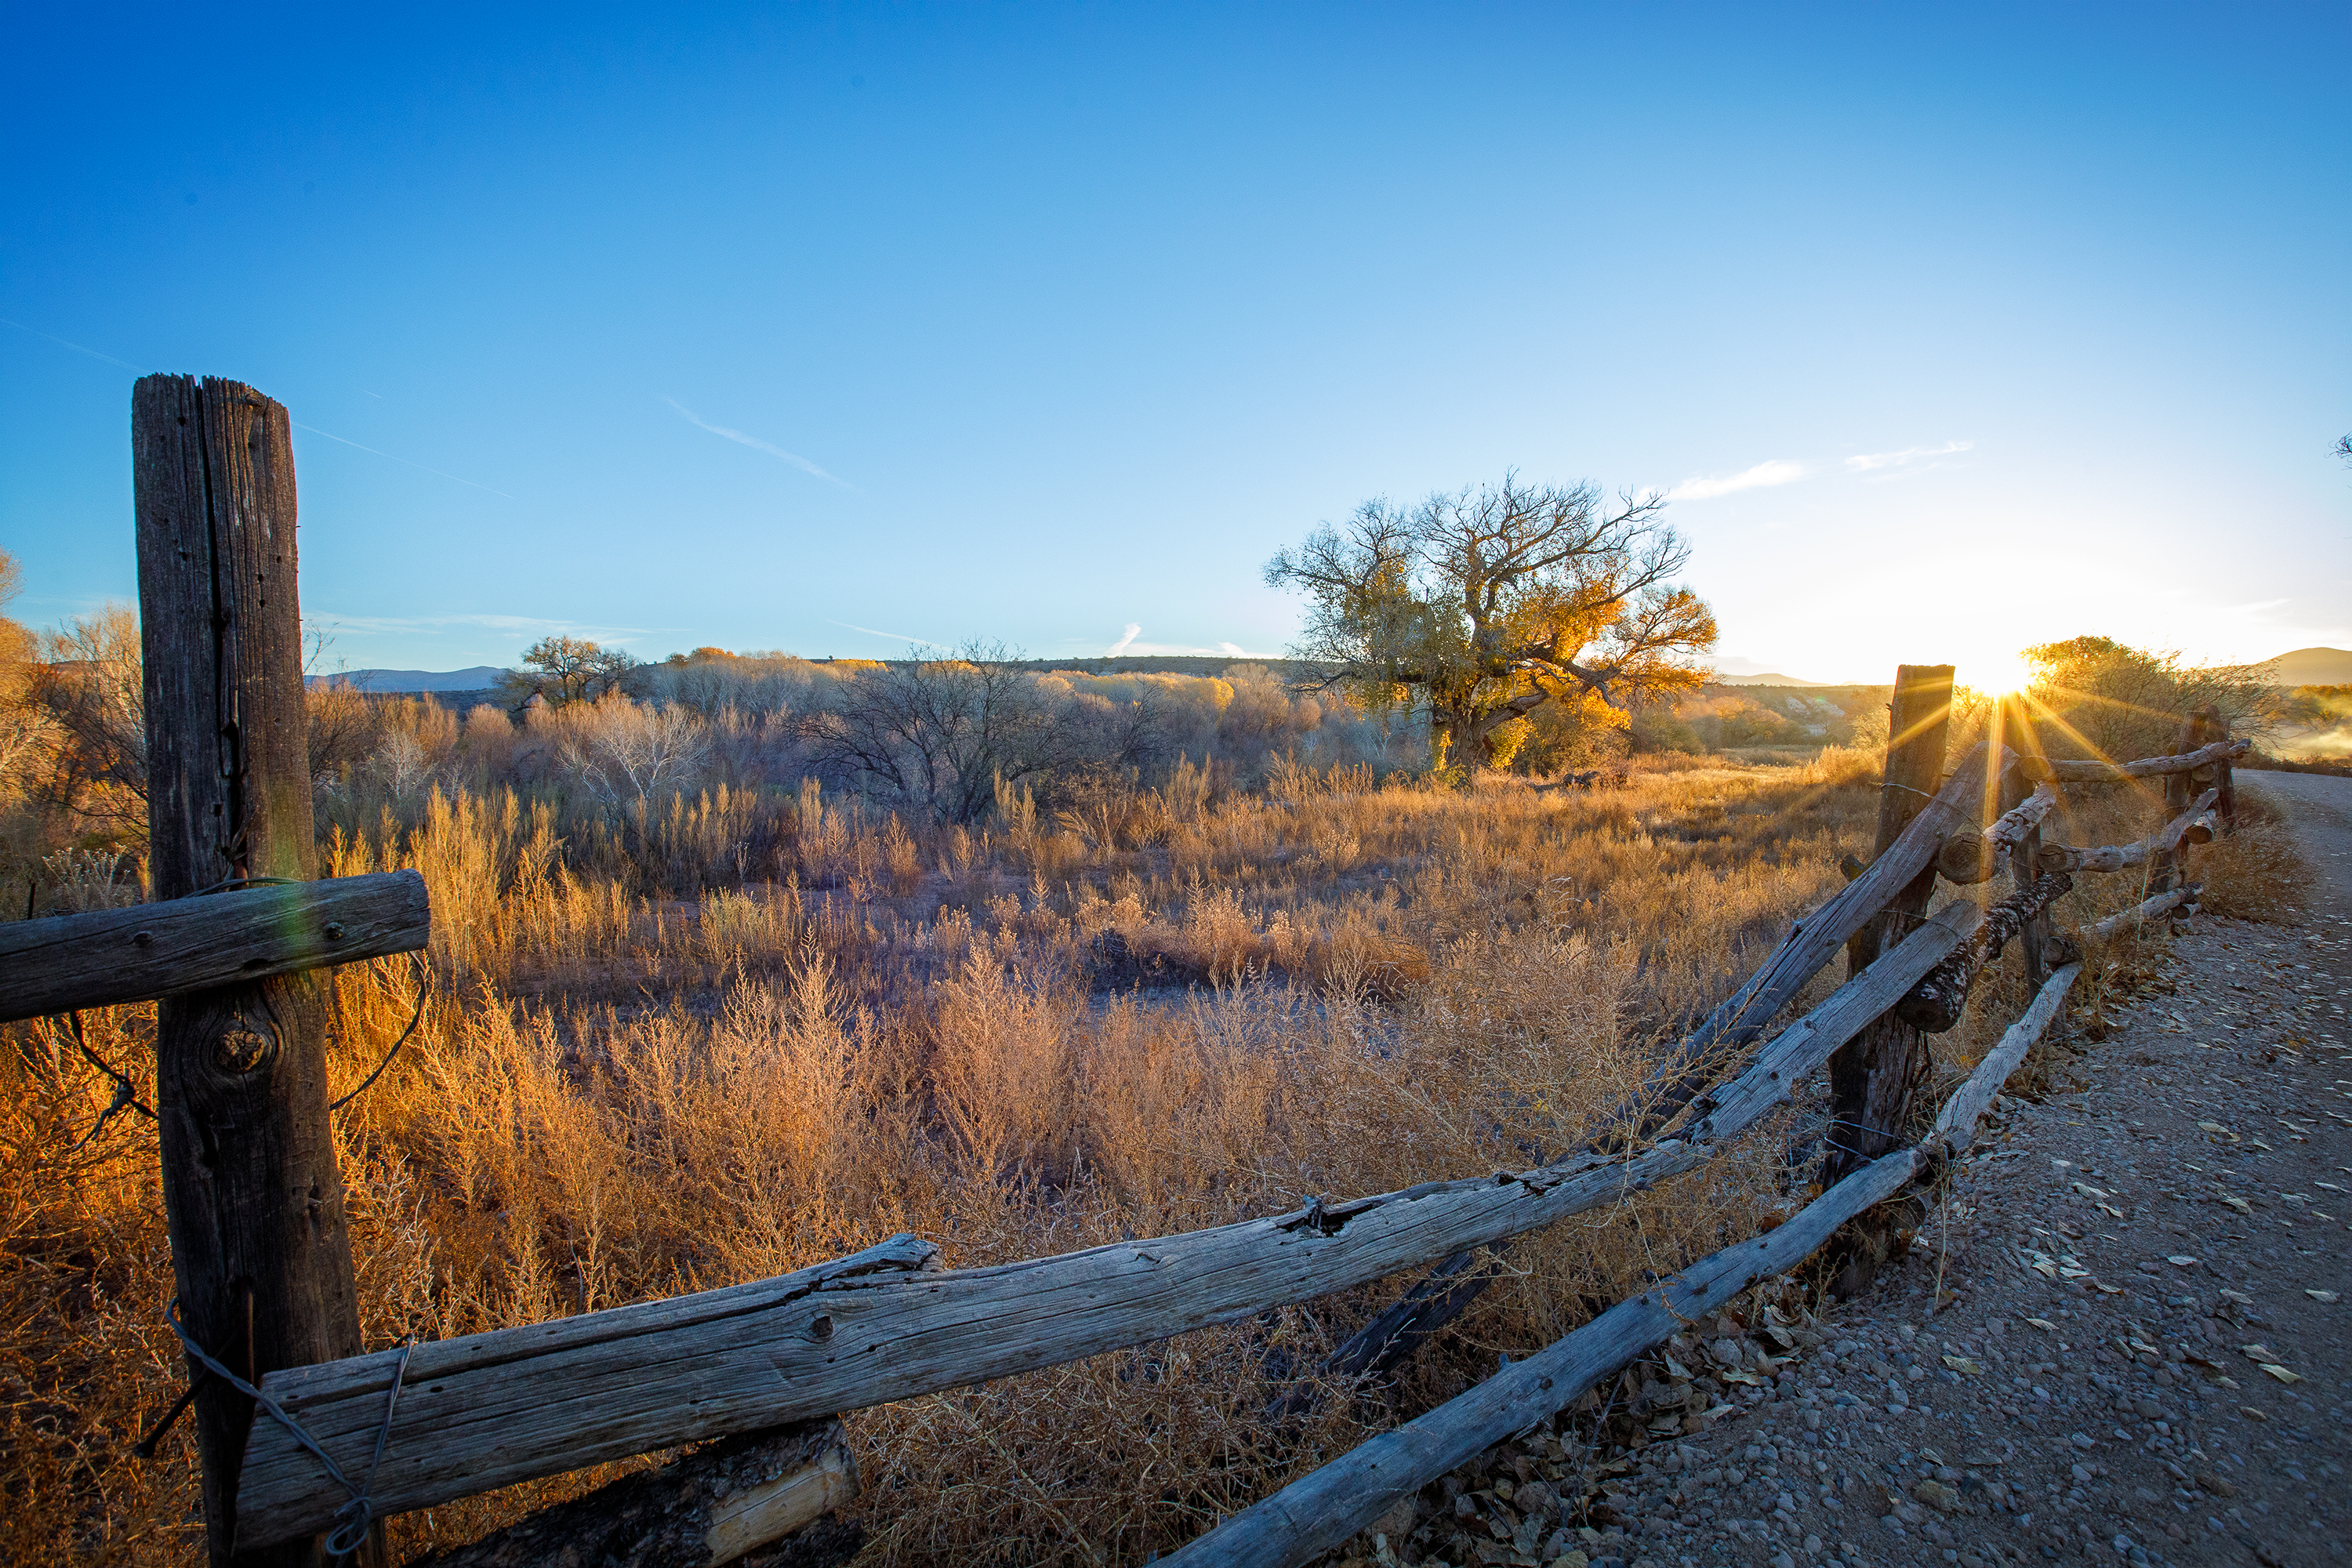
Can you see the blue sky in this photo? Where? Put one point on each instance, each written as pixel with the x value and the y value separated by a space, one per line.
pixel 832 329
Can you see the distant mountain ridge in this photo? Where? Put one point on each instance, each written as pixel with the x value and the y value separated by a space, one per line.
pixel 477 677
pixel 2311 666
pixel 1767 679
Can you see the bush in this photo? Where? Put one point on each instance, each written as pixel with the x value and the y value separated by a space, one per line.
pixel 1662 730
pixel 2096 698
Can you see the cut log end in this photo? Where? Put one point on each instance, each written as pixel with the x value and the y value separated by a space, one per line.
pixel 1967 858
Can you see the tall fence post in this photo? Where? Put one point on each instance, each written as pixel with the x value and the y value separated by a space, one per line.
pixel 2203 726
pixel 260 1247
pixel 1872 1077
pixel 2015 730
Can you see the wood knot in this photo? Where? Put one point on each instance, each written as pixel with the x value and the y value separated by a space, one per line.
pixel 242 1048
pixel 143 938
pixel 334 931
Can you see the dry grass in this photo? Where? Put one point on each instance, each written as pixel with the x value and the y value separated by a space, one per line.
pixel 669 1047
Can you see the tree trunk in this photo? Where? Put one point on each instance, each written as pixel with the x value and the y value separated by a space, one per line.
pixel 259 1247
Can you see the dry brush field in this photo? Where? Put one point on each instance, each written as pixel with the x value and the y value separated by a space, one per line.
pixel 687 1041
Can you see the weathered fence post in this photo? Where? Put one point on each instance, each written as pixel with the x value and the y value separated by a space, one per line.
pixel 261 1250
pixel 1872 1078
pixel 2015 730
pixel 2203 726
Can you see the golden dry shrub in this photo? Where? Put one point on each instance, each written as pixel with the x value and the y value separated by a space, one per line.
pixel 637 1071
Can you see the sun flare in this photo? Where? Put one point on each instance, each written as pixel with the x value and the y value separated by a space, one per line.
pixel 1998 673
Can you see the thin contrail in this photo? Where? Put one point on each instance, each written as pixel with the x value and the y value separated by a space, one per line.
pixel 794 458
pixel 349 442
pixel 900 637
pixel 314 430
pixel 76 347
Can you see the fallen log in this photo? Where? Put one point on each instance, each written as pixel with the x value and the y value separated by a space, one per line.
pixel 490 1409
pixel 1935 1004
pixel 1323 1510
pixel 2194 826
pixel 2091 772
pixel 61 963
pixel 715 1504
pixel 2173 899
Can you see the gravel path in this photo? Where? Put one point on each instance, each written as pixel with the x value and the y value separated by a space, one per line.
pixel 2143 1347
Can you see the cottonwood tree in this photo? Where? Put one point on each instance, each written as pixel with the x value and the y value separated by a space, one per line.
pixel 570 669
pixel 1485 604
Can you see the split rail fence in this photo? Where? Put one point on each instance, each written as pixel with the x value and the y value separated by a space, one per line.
pixel 302 1436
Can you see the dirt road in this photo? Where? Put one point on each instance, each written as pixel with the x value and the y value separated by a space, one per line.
pixel 2147 1349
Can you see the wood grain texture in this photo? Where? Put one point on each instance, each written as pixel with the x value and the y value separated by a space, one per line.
pixel 187 944
pixel 2194 826
pixel 261 1249
pixel 1965 859
pixel 1323 1510
pixel 490 1409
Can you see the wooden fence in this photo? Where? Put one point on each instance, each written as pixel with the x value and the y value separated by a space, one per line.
pixel 298 1435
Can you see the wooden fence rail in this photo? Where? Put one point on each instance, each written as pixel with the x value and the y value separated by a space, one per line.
pixel 248 931
pixel 2095 771
pixel 490 1409
pixel 1322 1511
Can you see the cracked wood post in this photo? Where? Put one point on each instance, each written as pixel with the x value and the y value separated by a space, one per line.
pixel 2017 733
pixel 261 1250
pixel 1872 1078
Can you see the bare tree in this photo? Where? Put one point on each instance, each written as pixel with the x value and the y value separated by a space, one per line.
pixel 89 684
pixel 632 751
pixel 28 732
pixel 940 731
pixel 1485 604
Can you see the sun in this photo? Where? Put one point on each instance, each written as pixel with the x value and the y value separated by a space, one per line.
pixel 1999 674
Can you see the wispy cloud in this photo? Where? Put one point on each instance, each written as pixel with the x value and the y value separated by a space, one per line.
pixel 1863 462
pixel 794 458
pixel 1134 630
pixel 1774 472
